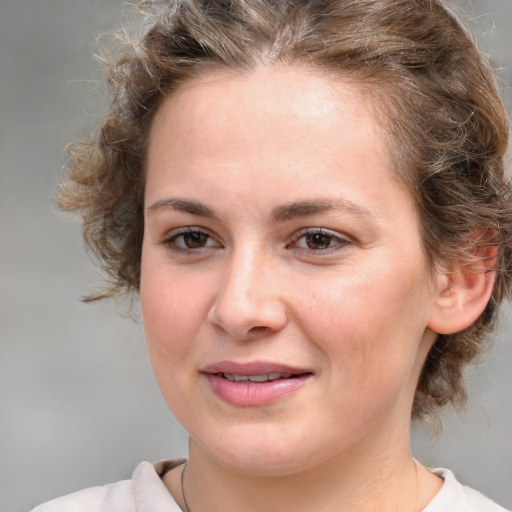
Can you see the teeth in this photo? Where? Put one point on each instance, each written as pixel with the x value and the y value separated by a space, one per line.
pixel 256 378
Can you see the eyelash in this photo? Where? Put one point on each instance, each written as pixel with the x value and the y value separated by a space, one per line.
pixel 171 240
pixel 335 242
pixel 338 241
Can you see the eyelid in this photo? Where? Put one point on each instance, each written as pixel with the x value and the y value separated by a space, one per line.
pixel 170 236
pixel 343 240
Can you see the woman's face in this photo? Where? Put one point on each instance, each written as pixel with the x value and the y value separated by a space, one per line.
pixel 284 291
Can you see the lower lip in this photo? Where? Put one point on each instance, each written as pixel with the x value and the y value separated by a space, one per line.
pixel 254 394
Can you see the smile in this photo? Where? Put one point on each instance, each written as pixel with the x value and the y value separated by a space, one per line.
pixel 254 384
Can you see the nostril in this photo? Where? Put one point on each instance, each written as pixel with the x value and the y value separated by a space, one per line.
pixel 257 330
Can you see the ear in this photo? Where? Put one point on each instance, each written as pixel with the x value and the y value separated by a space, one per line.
pixel 463 292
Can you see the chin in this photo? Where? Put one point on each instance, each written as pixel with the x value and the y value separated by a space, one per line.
pixel 266 455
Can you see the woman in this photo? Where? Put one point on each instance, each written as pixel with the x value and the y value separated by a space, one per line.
pixel 309 199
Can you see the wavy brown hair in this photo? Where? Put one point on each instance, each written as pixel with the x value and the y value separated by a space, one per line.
pixel 430 87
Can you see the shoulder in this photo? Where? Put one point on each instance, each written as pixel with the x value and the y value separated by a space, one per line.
pixel 113 497
pixel 456 497
pixel 145 492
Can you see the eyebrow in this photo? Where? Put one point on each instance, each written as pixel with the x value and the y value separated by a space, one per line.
pixel 304 208
pixel 279 214
pixel 184 205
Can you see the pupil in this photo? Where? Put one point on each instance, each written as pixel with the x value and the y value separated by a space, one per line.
pixel 194 240
pixel 318 241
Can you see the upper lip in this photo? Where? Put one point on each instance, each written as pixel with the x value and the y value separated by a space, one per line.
pixel 253 368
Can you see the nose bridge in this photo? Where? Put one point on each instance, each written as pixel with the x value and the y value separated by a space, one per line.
pixel 249 299
pixel 245 271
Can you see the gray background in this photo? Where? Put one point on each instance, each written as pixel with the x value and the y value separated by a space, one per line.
pixel 79 406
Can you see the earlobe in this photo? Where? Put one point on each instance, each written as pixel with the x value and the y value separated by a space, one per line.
pixel 463 293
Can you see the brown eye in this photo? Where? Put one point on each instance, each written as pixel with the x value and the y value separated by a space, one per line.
pixel 191 240
pixel 195 239
pixel 318 240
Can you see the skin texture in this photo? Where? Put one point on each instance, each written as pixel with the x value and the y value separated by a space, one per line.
pixel 228 155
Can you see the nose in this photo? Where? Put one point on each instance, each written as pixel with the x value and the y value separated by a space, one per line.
pixel 250 302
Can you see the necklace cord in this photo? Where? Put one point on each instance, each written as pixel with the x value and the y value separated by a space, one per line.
pixel 187 508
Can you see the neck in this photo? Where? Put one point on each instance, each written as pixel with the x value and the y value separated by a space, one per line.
pixel 377 479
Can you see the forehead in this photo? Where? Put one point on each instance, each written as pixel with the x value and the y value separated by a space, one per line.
pixel 271 107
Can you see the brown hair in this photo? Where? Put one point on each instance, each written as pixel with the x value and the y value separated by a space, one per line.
pixel 447 128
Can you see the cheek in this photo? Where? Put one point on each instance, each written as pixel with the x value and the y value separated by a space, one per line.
pixel 169 314
pixel 169 319
pixel 370 326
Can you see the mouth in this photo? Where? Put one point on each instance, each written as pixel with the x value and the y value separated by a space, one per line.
pixel 255 371
pixel 263 377
pixel 254 384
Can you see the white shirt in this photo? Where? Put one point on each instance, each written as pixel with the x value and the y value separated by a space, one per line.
pixel 146 492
